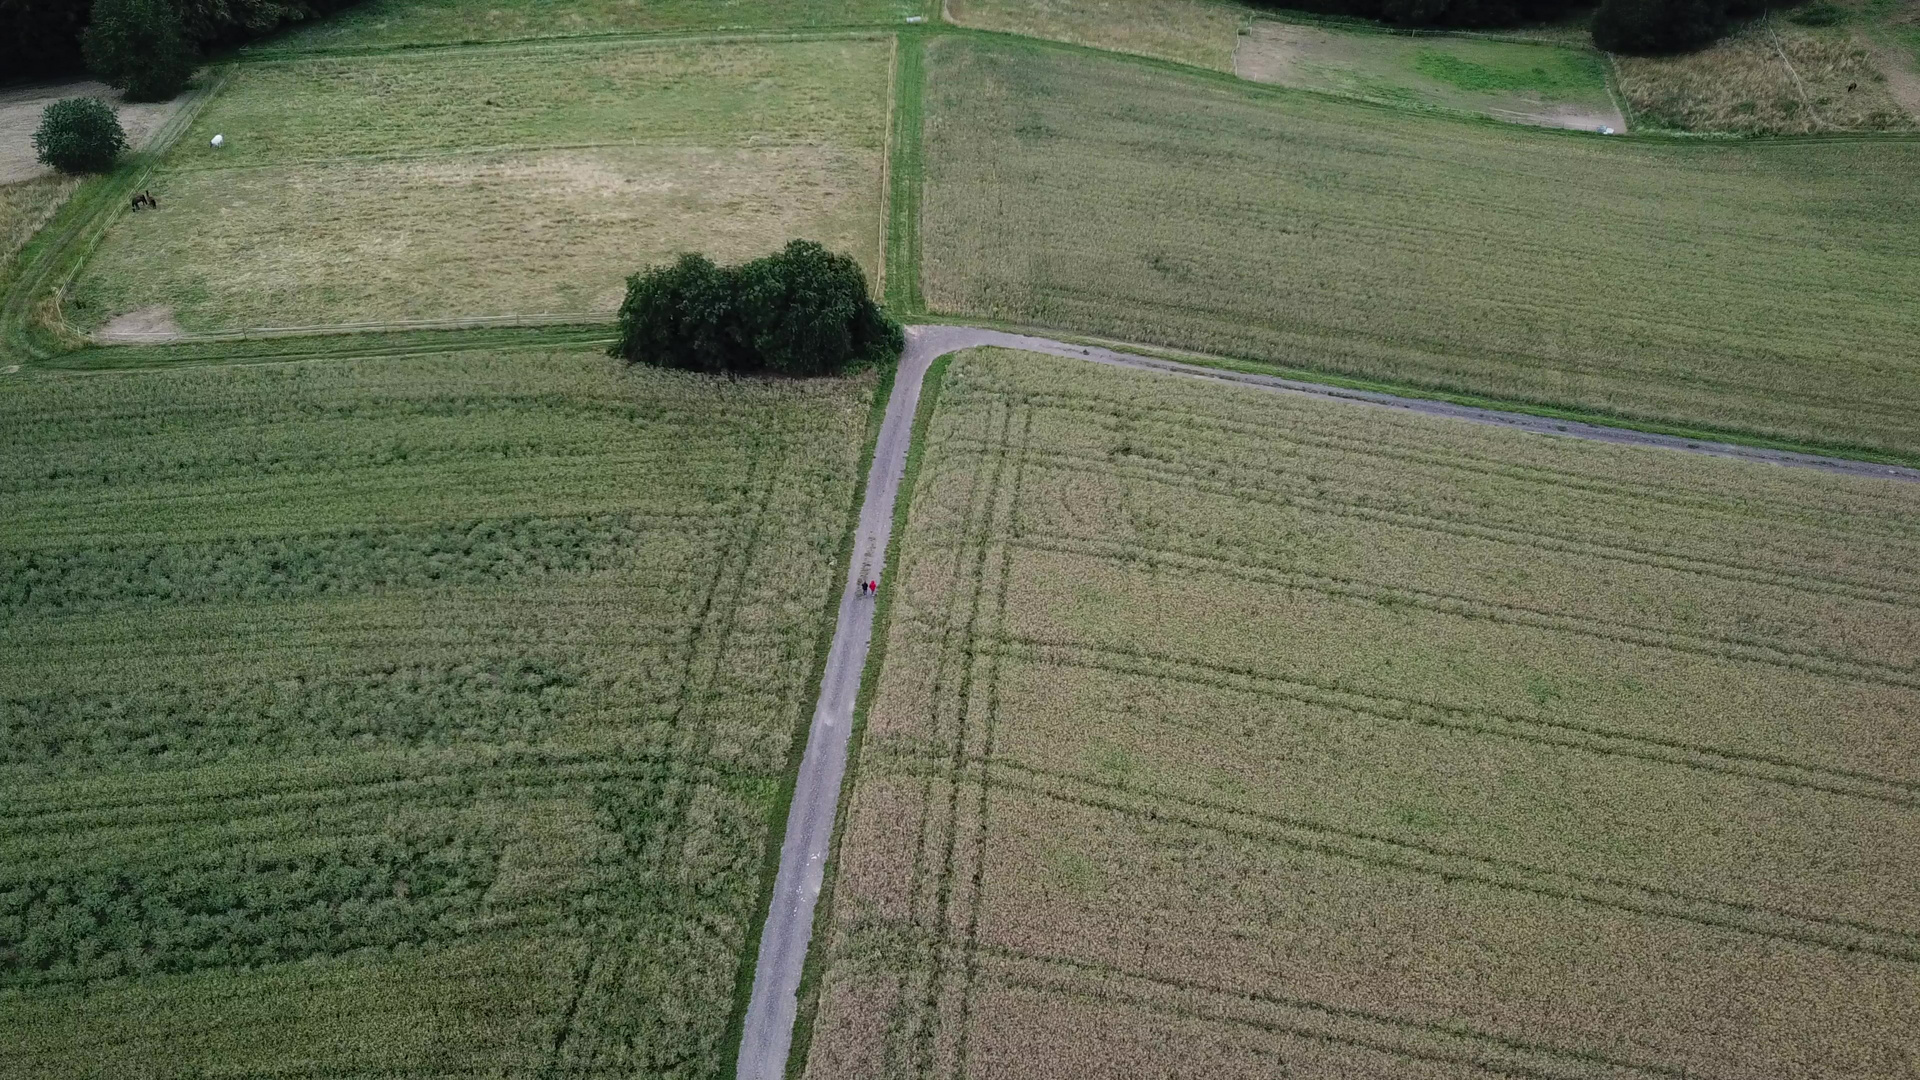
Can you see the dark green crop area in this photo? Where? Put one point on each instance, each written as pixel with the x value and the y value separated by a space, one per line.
pixel 1764 287
pixel 400 717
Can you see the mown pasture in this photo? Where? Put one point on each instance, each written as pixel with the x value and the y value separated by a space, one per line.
pixel 410 716
pixel 518 181
pixel 1227 733
pixel 385 24
pixel 1520 81
pixel 1759 287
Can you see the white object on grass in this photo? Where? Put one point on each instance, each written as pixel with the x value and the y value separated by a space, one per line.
pixel 219 141
pixel 1605 130
pixel 916 18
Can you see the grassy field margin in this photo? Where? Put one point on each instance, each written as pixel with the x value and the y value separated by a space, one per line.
pixel 809 991
pixel 905 161
pixel 783 801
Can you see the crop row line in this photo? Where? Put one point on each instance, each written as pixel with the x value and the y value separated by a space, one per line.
pixel 1316 1021
pixel 23 818
pixel 1715 646
pixel 1379 853
pixel 1374 849
pixel 1181 424
pixel 987 752
pixel 924 1035
pixel 1136 468
pixel 1562 734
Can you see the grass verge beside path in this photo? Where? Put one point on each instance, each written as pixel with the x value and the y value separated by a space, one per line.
pixel 1669 283
pixel 818 953
pixel 461 688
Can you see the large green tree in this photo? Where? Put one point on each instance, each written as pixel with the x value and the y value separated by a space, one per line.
pixel 140 47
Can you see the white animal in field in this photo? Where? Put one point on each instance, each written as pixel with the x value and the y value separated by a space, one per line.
pixel 219 141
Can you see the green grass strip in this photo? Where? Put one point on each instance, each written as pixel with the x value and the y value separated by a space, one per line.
pixel 286 349
pixel 905 164
pixel 812 971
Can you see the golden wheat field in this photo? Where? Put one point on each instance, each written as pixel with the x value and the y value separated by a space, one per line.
pixel 1224 733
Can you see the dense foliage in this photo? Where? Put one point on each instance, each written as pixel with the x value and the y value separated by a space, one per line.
pixel 140 47
pixel 802 311
pixel 1442 12
pixel 42 37
pixel 79 135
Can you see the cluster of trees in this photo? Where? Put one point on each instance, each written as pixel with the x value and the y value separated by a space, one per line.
pixel 800 311
pixel 1629 26
pixel 41 38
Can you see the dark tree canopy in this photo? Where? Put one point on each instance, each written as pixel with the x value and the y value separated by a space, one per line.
pixel 1652 27
pixel 79 135
pixel 801 311
pixel 42 37
pixel 139 46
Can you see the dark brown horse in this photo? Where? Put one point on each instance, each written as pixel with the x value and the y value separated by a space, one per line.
pixel 146 199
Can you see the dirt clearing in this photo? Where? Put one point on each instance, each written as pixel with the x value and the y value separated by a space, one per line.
pixel 146 326
pixel 20 114
pixel 1541 84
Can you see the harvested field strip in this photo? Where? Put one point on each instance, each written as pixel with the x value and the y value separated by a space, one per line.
pixel 1567 543
pixel 1824 508
pixel 1769 768
pixel 1760 920
pixel 1483 1053
pixel 1746 650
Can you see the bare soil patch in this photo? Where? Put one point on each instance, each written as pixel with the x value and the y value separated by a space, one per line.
pixel 20 114
pixel 1903 82
pixel 148 325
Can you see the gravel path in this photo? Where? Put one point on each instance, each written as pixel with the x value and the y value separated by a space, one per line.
pixel 768 1033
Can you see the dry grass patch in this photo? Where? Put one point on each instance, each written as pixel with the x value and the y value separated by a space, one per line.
pixel 1770 77
pixel 1659 281
pixel 1284 734
pixel 1204 33
pixel 28 204
pixel 525 183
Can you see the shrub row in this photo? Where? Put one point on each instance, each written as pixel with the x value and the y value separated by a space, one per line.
pixel 801 311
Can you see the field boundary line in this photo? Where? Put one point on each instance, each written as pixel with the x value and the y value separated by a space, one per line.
pixel 1468 607
pixel 954 337
pixel 1759 920
pixel 1574 736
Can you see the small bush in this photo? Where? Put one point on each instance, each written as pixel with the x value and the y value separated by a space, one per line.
pixel 140 47
pixel 79 135
pixel 1819 13
pixel 801 311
